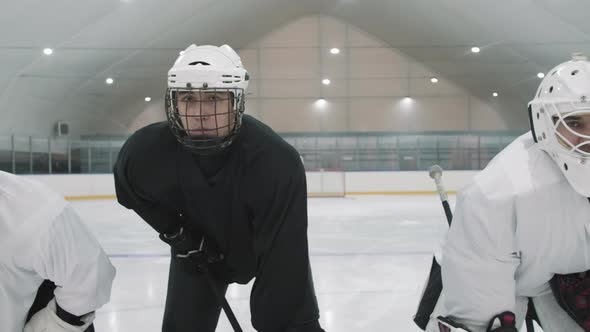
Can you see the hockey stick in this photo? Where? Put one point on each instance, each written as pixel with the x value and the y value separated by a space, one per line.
pixel 436 174
pixel 433 286
pixel 226 308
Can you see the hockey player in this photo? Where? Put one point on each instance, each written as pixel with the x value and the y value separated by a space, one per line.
pixel 42 238
pixel 521 229
pixel 228 195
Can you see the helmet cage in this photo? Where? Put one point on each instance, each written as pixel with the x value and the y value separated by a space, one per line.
pixel 204 129
pixel 555 117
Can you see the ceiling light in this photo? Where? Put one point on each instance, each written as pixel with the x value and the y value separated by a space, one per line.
pixel 326 81
pixel 434 80
pixel 320 104
pixel 335 50
pixel 406 104
pixel 47 51
pixel 475 49
pixel 148 99
pixel 540 75
pixel 495 94
pixel 109 80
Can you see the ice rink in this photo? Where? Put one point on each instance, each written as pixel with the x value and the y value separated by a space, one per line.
pixel 370 256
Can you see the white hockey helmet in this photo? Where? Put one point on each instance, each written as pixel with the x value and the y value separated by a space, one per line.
pixel 205 70
pixel 563 97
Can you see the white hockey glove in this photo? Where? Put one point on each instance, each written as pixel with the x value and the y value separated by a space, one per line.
pixel 46 320
pixel 446 324
pixel 504 322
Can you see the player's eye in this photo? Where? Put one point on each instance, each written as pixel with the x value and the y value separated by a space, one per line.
pixel 186 97
pixel 575 124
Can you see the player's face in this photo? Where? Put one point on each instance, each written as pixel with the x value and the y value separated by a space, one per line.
pixel 579 125
pixel 206 113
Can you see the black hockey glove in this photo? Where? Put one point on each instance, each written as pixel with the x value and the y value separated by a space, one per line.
pixel 195 255
pixel 504 322
pixel 572 292
pixel 68 317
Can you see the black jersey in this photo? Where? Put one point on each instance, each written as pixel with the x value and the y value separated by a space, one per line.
pixel 251 201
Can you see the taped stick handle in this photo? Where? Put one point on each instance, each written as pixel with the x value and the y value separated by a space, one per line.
pixel 435 173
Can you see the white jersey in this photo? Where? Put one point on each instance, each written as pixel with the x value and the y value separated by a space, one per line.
pixel 41 237
pixel 516 225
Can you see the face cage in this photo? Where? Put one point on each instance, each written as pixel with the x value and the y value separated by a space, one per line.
pixel 204 144
pixel 573 150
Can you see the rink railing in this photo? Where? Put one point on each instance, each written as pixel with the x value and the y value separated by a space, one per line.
pixel 349 152
pixel 102 186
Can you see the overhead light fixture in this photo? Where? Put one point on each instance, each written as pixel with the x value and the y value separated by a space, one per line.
pixel 109 80
pixel 540 75
pixel 181 53
pixel 321 104
pixel 47 51
pixel 406 104
pixel 326 81
pixel 434 80
pixel 475 49
pixel 495 94
pixel 148 99
pixel 407 100
pixel 335 50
